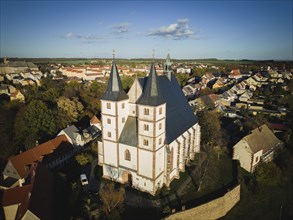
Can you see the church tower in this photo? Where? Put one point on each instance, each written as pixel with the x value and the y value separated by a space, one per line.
pixel 114 111
pixel 167 67
pixel 152 131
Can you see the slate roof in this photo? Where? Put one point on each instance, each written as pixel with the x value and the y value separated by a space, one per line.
pixel 114 91
pixel 129 134
pixel 179 115
pixel 72 132
pixel 152 94
pixel 262 138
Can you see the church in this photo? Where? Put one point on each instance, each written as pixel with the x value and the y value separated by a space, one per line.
pixel 148 134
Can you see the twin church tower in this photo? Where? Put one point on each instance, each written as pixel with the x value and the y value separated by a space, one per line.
pixel 148 134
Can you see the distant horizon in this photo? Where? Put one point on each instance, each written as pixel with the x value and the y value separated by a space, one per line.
pixel 150 58
pixel 234 30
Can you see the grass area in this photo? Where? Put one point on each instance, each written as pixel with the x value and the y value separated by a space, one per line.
pixel 218 174
pixel 266 202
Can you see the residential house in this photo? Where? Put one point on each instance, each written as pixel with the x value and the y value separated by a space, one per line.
pixel 257 147
pixel 19 167
pixel 73 135
pixel 96 122
pixel 33 200
pixel 17 95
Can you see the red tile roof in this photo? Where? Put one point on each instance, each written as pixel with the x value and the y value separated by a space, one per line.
pixel 95 120
pixel 21 161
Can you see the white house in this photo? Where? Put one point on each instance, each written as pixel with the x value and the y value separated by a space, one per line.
pixel 149 134
pixel 259 146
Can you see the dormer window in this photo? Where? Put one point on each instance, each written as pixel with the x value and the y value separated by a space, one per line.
pixel 146 111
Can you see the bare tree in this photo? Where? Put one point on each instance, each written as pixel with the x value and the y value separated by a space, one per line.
pixel 111 197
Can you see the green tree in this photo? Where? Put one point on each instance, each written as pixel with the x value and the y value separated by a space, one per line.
pixel 182 79
pixel 210 127
pixel 8 113
pixel 34 122
pixel 51 95
pixel 127 82
pixel 70 110
pixel 82 159
pixel 268 174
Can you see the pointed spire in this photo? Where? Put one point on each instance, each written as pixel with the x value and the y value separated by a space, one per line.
pixel 167 67
pixel 152 94
pixel 114 91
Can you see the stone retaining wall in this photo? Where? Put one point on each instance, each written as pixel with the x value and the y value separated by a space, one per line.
pixel 212 210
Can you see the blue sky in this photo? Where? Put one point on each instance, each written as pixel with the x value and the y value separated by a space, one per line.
pixel 186 29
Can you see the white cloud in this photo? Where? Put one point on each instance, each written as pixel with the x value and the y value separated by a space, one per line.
pixel 121 28
pixel 86 37
pixel 176 31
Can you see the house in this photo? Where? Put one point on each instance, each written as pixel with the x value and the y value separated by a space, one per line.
pixel 257 147
pixel 17 95
pixel 235 74
pixel 33 200
pixel 96 122
pixel 20 166
pixel 80 138
pixel 73 135
pixel 149 134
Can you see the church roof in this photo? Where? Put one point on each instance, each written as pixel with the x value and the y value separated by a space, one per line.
pixel 129 133
pixel 179 115
pixel 152 94
pixel 114 91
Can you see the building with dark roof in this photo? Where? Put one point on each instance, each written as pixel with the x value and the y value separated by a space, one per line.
pixel 149 134
pixel 258 146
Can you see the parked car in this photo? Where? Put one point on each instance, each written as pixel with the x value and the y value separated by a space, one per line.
pixel 83 179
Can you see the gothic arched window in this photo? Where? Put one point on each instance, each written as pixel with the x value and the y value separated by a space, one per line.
pixel 127 155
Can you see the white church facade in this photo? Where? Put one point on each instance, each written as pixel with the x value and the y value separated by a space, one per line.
pixel 149 134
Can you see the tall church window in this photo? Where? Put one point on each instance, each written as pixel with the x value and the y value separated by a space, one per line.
pixel 109 134
pixel 146 127
pixel 146 111
pixel 145 142
pixel 160 110
pixel 123 105
pixel 123 119
pixel 108 105
pixel 160 126
pixel 127 155
pixel 160 141
pixel 108 120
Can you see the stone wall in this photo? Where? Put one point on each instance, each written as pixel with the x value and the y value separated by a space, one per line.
pixel 212 210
